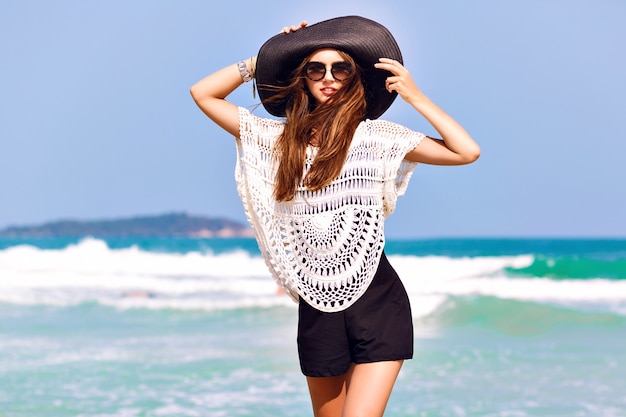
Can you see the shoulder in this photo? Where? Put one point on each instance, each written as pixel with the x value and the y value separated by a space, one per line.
pixel 387 131
pixel 252 122
pixel 386 128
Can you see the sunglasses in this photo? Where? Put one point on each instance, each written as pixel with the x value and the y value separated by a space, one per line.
pixel 340 71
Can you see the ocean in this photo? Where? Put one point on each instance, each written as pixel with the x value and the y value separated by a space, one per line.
pixel 132 327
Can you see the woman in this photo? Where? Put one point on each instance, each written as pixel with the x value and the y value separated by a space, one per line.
pixel 317 185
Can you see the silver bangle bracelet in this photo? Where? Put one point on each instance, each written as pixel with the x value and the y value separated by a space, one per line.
pixel 243 70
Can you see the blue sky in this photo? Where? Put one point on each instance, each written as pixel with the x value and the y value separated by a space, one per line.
pixel 96 120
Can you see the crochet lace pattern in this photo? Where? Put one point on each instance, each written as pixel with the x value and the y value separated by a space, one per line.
pixel 324 246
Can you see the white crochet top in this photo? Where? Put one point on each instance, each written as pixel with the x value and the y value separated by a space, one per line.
pixel 324 246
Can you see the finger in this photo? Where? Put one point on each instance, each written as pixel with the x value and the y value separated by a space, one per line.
pixel 389 85
pixel 389 65
pixel 293 28
pixel 390 61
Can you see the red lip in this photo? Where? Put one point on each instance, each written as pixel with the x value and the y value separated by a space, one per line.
pixel 328 91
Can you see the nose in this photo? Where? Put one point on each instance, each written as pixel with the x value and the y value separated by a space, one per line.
pixel 328 75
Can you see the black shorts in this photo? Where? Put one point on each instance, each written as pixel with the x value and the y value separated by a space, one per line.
pixel 377 327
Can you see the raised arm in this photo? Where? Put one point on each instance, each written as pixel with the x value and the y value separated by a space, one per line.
pixel 210 95
pixel 456 147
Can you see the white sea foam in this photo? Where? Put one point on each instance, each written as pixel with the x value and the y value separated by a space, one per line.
pixel 486 276
pixel 90 271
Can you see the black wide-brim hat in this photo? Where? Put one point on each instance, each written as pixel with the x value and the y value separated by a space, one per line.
pixel 364 40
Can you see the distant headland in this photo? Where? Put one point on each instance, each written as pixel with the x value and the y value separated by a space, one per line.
pixel 171 224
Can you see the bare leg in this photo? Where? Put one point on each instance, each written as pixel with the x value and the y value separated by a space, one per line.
pixel 364 391
pixel 328 395
pixel 369 386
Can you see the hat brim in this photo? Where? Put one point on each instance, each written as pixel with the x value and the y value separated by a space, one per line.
pixel 364 40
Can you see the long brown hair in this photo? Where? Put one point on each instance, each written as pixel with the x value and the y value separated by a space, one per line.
pixel 333 122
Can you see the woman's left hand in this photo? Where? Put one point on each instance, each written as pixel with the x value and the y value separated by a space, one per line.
pixel 401 80
pixel 457 148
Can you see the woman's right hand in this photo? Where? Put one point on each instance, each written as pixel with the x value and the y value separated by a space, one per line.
pixel 293 28
pixel 210 93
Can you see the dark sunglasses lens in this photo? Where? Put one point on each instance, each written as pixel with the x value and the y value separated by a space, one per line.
pixel 315 71
pixel 341 70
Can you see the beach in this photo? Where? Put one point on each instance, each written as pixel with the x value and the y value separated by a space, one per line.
pixel 196 327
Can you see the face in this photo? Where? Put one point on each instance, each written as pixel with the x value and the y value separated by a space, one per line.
pixel 325 74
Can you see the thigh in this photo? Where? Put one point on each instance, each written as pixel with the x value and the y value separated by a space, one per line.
pixel 328 395
pixel 368 388
pixel 363 391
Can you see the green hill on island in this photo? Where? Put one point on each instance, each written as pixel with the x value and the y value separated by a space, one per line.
pixel 173 224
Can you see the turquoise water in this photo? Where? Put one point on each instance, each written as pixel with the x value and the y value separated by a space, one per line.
pixel 195 327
